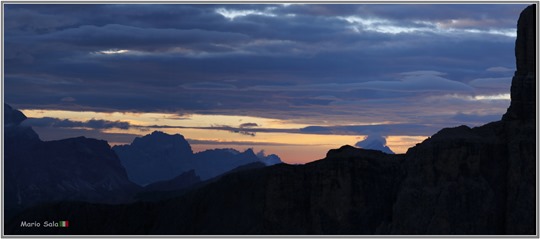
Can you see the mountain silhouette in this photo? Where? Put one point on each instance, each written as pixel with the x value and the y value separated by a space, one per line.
pixel 155 157
pixel 160 156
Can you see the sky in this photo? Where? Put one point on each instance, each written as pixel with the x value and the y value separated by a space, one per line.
pixel 292 79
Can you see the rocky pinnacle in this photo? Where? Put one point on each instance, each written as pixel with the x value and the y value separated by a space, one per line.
pixel 523 87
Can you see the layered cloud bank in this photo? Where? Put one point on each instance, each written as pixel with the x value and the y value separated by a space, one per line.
pixel 349 69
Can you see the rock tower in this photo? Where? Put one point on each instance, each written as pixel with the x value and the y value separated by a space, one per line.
pixel 522 92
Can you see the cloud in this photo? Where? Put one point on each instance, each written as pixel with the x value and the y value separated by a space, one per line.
pixel 305 64
pixel 249 125
pixel 68 99
pixel 240 130
pixel 422 73
pixel 505 97
pixel 376 142
pixel 371 138
pixel 116 36
pixel 475 119
pixel 455 98
pixel 105 124
pixel 208 86
pixel 26 20
pixel 231 14
pixel 500 83
pixel 66 123
pixel 499 69
pixel 241 143
pixel 382 129
pixel 493 15
pixel 419 81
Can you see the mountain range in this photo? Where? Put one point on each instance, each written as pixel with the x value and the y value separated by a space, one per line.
pixel 89 170
pixel 160 156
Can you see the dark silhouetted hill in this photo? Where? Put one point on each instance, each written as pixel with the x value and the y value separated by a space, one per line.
pixel 182 181
pixel 187 181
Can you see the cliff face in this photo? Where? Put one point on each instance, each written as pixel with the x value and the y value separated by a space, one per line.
pixel 524 81
pixel 469 181
pixel 520 128
pixel 480 180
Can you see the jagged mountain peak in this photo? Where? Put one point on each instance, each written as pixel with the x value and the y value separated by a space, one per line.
pixel 158 138
pixel 12 117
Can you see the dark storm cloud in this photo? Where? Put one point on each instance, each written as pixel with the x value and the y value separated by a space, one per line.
pixel 306 62
pixel 113 36
pixel 26 20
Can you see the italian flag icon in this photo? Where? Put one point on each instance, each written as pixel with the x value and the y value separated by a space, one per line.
pixel 64 223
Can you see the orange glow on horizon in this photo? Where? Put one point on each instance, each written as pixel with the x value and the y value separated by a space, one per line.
pixel 293 148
